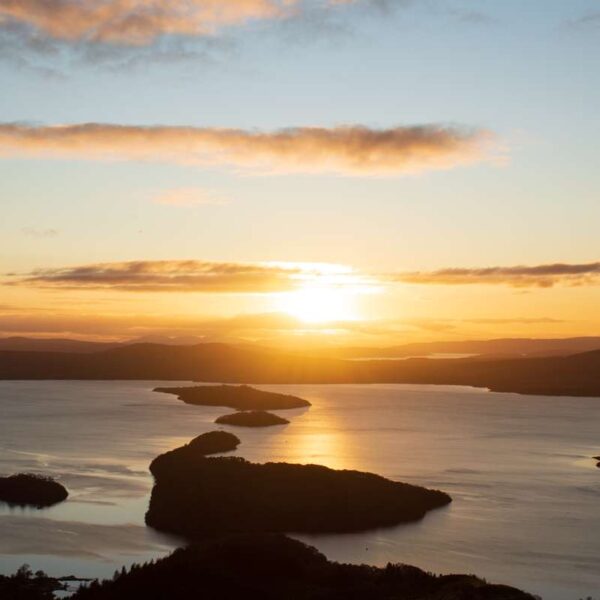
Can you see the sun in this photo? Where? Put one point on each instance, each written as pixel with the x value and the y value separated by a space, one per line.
pixel 319 304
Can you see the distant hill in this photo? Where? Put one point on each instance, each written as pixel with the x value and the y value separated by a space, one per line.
pixel 189 340
pixel 573 375
pixel 203 362
pixel 24 344
pixel 502 346
pixel 506 347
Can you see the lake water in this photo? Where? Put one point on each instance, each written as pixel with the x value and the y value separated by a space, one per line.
pixel 526 492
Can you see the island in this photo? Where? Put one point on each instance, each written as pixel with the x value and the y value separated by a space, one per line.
pixel 194 495
pixel 252 418
pixel 213 442
pixel 26 489
pixel 239 397
pixel 271 567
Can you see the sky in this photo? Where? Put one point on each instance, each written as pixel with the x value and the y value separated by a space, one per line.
pixel 345 172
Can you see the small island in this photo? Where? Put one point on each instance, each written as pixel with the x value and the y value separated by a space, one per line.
pixel 252 418
pixel 271 567
pixel 26 489
pixel 213 442
pixel 238 397
pixel 194 495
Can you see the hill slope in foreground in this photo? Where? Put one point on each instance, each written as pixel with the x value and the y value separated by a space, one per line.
pixel 574 375
pixel 272 567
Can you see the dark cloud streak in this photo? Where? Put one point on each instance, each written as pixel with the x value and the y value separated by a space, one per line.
pixel 543 276
pixel 166 276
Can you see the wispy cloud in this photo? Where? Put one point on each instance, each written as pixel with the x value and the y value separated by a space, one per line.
pixel 514 320
pixel 233 277
pixel 189 197
pixel 186 276
pixel 351 149
pixel 40 232
pixel 588 20
pixel 167 276
pixel 543 276
pixel 141 22
pixel 472 17
pixel 266 327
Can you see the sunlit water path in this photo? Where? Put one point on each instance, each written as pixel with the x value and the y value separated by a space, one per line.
pixel 526 492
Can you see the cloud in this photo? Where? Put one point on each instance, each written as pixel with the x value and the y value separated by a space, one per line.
pixel 194 276
pixel 188 197
pixel 588 20
pixel 471 17
pixel 24 48
pixel 345 150
pixel 543 276
pixel 233 277
pixel 98 325
pixel 181 276
pixel 39 233
pixel 142 22
pixel 514 320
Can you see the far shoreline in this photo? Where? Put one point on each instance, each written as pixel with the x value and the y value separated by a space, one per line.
pixel 434 386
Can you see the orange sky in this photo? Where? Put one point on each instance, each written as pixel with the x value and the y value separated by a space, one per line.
pixel 308 171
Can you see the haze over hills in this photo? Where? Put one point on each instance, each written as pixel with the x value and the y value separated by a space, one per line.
pixel 28 344
pixel 498 347
pixel 25 344
pixel 572 375
pixel 501 346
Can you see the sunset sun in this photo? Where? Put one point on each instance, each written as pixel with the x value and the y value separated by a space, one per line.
pixel 319 304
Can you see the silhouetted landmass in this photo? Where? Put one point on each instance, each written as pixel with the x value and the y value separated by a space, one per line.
pixel 31 490
pixel 575 375
pixel 27 344
pixel 240 397
pixel 213 442
pixel 25 585
pixel 252 418
pixel 194 495
pixel 513 347
pixel 274 567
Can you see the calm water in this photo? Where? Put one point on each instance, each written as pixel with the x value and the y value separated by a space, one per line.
pixel 526 507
